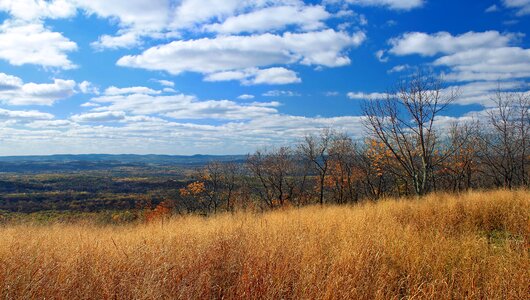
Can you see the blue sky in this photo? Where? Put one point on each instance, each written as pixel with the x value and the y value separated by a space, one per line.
pixel 231 76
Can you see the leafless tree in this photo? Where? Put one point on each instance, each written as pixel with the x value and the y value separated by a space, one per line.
pixel 344 174
pixel 506 138
pixel 316 150
pixel 275 172
pixel 461 164
pixel 220 183
pixel 404 122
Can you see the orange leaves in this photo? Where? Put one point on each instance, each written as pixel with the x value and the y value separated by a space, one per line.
pixel 193 189
pixel 338 174
pixel 379 155
pixel 160 212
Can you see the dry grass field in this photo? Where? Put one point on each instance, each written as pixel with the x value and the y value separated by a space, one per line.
pixel 470 246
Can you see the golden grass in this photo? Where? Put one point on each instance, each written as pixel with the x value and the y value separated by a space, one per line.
pixel 474 245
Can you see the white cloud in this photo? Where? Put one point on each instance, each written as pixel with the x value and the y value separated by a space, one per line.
pixel 50 124
pixel 470 56
pixel 279 93
pixel 492 8
pixel 31 10
pixel 522 6
pixel 143 134
pixel 14 92
pixel 391 4
pixel 380 54
pixel 125 40
pixel 24 115
pixel 480 92
pixel 276 76
pixel 444 43
pixel 253 76
pixel 112 91
pixel 399 68
pixel 165 82
pixel 367 96
pixel 9 82
pixel 487 64
pixel 90 104
pixel 133 15
pixel 192 12
pixel 183 107
pixel 273 18
pixel 24 43
pixel 106 116
pixel 87 87
pixel 227 53
pixel 245 97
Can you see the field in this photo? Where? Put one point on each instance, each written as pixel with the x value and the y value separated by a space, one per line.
pixel 473 245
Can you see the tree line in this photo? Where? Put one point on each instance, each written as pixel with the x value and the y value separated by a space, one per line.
pixel 408 149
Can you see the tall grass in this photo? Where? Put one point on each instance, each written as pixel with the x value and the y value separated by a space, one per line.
pixel 474 245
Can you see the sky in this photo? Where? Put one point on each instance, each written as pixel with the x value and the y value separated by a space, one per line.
pixel 232 76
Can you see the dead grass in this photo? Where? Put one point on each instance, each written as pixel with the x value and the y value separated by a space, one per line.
pixel 474 245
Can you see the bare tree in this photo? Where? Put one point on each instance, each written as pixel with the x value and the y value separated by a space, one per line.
pixel 316 150
pixel 462 161
pixel 220 183
pixel 506 140
pixel 344 174
pixel 404 122
pixel 275 172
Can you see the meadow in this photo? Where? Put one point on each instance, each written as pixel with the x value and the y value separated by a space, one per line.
pixel 473 245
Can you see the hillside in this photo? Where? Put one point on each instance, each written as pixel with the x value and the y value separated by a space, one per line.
pixel 474 245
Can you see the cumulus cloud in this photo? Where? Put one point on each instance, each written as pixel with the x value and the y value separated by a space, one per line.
pixel 391 4
pixel 367 96
pixel 380 55
pixel 166 83
pixel 245 97
pixel 106 116
pixel 87 87
pixel 522 7
pixel 39 124
pixel 492 8
pixel 182 106
pixel 480 92
pixel 252 76
pixel 32 43
pixel 31 10
pixel 111 91
pixel 226 53
pixel 9 82
pixel 14 91
pixel 25 115
pixel 280 93
pixel 124 40
pixel 445 43
pixel 487 64
pixel 136 135
pixel 399 68
pixel 470 56
pixel 273 18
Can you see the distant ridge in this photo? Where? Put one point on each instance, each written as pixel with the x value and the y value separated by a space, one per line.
pixel 64 162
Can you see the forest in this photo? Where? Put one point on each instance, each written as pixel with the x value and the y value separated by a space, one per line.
pixel 408 149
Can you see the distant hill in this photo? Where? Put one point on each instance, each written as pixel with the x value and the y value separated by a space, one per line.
pixel 71 162
pixel 125 158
